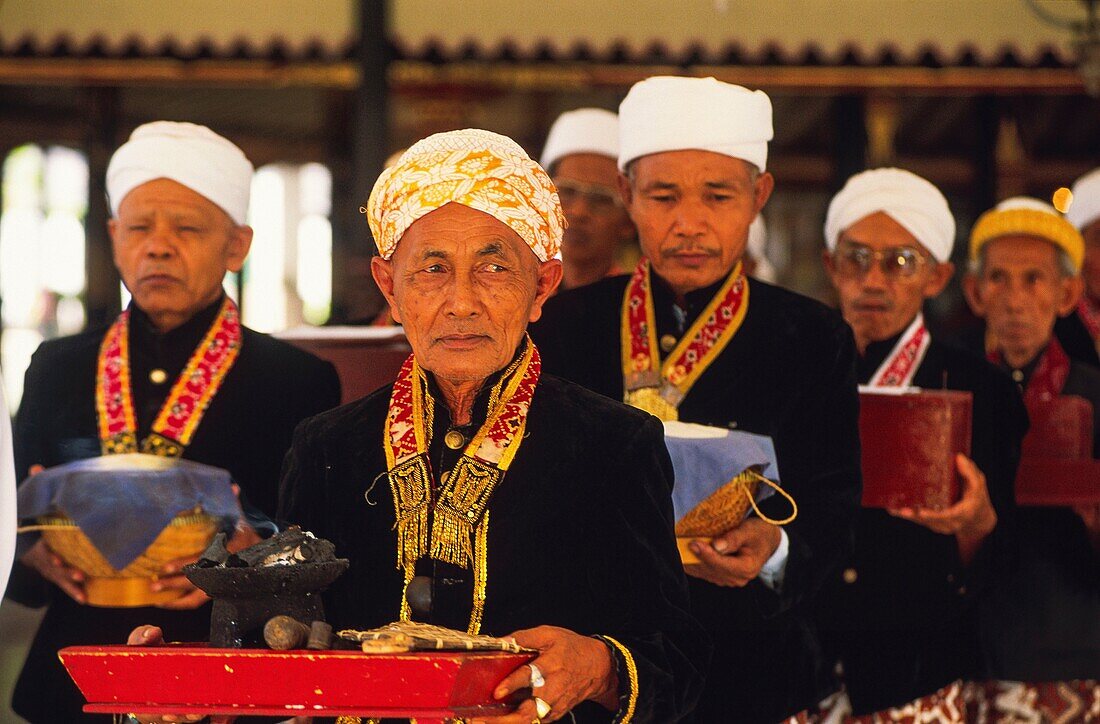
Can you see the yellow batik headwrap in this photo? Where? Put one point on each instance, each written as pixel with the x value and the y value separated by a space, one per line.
pixel 1028 217
pixel 480 169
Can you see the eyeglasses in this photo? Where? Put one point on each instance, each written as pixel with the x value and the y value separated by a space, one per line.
pixel 600 199
pixel 853 260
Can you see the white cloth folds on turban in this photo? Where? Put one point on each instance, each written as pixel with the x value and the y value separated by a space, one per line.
pixel 757 248
pixel 1085 207
pixel 585 130
pixel 905 197
pixel 672 113
pixel 479 169
pixel 188 154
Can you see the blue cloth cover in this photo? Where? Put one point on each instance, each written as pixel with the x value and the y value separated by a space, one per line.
pixel 705 458
pixel 123 502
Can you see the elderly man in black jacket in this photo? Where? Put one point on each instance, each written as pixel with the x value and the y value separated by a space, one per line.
pixel 901 616
pixel 480 494
pixel 179 194
pixel 688 336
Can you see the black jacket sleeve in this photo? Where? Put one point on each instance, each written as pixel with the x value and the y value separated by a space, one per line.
pixel 637 556
pixel 820 468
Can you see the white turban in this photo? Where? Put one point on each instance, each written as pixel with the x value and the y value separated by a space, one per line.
pixel 1085 207
pixel 672 113
pixel 585 130
pixel 757 248
pixel 905 197
pixel 188 154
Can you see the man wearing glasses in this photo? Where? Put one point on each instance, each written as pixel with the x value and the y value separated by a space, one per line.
pixel 899 616
pixel 580 155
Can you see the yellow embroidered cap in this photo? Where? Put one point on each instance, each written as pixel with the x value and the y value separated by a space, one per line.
pixel 1022 215
pixel 479 169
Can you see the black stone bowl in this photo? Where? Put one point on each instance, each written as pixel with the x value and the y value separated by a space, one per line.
pixel 265 581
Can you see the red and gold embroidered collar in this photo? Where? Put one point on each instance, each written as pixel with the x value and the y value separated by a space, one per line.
pixel 659 389
pixel 905 358
pixel 185 405
pixel 459 510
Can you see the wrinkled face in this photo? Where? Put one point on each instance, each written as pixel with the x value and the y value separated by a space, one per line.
pixel 881 300
pixel 173 247
pixel 465 286
pixel 693 210
pixel 1021 292
pixel 1090 270
pixel 588 185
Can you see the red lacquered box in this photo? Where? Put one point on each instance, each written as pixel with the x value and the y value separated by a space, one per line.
pixel 1056 463
pixel 909 442
pixel 196 679
pixel 1058 481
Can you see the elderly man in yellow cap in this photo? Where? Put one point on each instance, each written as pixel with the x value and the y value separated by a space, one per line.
pixel 479 493
pixel 688 336
pixel 580 155
pixel 1079 332
pixel 179 197
pixel 900 617
pixel 1041 626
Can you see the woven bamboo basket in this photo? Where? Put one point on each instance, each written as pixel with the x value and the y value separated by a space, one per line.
pixel 723 509
pixel 187 535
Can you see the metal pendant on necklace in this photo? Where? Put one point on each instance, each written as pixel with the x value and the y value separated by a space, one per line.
pixel 454 439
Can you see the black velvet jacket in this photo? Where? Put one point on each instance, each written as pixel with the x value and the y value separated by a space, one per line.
pixel 1042 622
pixel 789 373
pixel 901 616
pixel 246 430
pixel 1076 340
pixel 580 534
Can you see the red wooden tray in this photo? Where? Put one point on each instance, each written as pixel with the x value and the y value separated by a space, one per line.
pixel 196 679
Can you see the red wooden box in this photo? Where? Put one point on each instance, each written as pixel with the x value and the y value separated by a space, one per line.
pixel 909 442
pixel 1060 428
pixel 1058 481
pixel 196 679
pixel 365 358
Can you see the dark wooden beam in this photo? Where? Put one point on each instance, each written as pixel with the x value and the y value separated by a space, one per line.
pixel 102 294
pixel 525 76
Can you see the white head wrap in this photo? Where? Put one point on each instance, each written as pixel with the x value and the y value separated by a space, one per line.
pixel 758 249
pixel 585 130
pixel 1085 207
pixel 188 154
pixel 672 113
pixel 905 197
pixel 480 169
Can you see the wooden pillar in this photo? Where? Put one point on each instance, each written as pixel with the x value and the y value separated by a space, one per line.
pixel 850 134
pixel 366 135
pixel 882 117
pixel 984 194
pixel 102 301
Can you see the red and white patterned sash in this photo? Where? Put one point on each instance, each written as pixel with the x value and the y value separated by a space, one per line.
pixel 658 388
pixel 905 358
pixel 185 405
